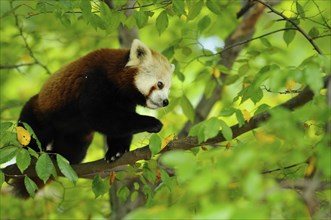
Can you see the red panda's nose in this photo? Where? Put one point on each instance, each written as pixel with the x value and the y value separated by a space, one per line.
pixel 165 102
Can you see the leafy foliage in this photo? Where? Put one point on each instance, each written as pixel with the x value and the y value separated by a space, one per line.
pixel 245 177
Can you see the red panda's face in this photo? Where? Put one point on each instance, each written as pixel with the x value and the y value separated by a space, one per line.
pixel 153 78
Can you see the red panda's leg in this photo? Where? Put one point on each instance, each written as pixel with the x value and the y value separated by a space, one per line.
pixel 117 147
pixel 37 122
pixel 72 146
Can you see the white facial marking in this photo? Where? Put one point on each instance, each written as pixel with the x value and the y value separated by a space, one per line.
pixel 153 70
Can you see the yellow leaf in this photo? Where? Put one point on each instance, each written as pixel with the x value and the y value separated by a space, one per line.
pixel 263 137
pixel 166 140
pixel 311 168
pixel 23 136
pixel 246 84
pixel 290 83
pixel 216 72
pixel 247 115
pixel 112 177
pixel 228 145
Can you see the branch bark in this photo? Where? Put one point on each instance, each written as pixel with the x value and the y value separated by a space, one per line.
pixel 101 167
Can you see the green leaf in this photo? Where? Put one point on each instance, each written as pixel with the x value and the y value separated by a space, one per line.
pixel 33 152
pixel 313 33
pixel 166 179
pixel 5 125
pixel 206 129
pixel 209 89
pixel 184 163
pixel 266 42
pixel 288 36
pixel 204 23
pixel 194 8
pixel 198 131
pixel 240 118
pixel 123 193
pixel 256 94
pixel 100 186
pixel 141 18
pixel 186 51
pixel 2 178
pixel 162 22
pixel 67 4
pixel 30 186
pixel 261 108
pixel 155 144
pixel 226 131
pixel 214 6
pixel 211 128
pixel 313 77
pixel 169 52
pixel 85 6
pixel 66 169
pixel 228 111
pixel 300 10
pixel 7 153
pixel 243 69
pixel 44 167
pixel 23 159
pixel 187 108
pixel 178 7
pixel 8 138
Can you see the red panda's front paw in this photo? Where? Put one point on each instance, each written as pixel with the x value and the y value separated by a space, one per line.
pixel 157 126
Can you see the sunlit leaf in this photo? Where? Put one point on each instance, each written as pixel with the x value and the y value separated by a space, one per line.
pixel 155 144
pixel 167 140
pixel 247 115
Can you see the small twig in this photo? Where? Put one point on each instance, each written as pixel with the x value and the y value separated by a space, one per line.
pixel 15 66
pixel 292 91
pixel 27 46
pixel 293 23
pixel 283 168
pixel 252 39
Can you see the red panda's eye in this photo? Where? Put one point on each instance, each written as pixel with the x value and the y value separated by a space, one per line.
pixel 160 85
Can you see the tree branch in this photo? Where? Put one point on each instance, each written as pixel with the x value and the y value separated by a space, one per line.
pixel 101 167
pixel 27 46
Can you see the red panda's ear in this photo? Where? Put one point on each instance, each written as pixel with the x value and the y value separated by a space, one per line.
pixel 139 53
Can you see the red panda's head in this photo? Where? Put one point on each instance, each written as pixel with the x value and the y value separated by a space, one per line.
pixel 153 78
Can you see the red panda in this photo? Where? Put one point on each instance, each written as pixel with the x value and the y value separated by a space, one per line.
pixel 99 92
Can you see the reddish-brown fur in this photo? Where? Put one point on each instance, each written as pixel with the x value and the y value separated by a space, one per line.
pixel 71 77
